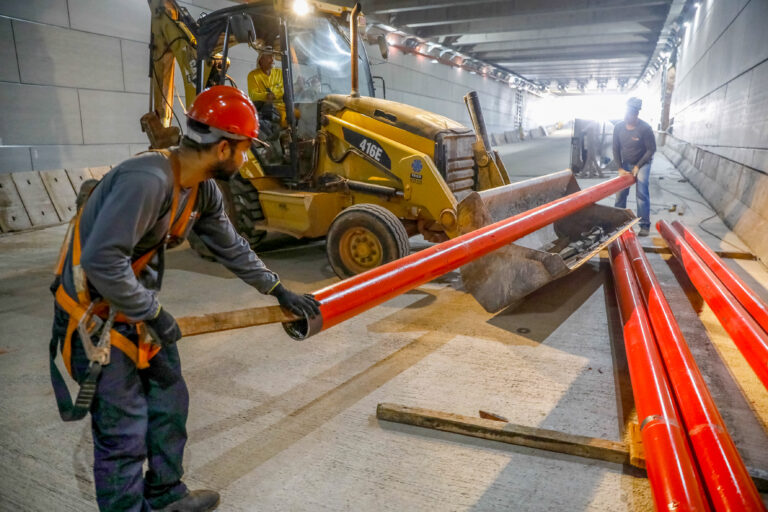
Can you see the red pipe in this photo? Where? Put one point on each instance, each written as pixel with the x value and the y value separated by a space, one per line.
pixel 749 337
pixel 725 476
pixel 671 470
pixel 748 298
pixel 359 293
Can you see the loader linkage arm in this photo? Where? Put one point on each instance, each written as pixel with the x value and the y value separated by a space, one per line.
pixel 172 41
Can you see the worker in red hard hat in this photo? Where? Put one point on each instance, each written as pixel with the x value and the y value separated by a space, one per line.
pixel 117 341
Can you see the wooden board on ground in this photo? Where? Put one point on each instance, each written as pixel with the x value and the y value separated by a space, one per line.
pixel 35 198
pixel 533 437
pixel 510 433
pixel 60 191
pixel 13 216
pixel 78 176
pixel 99 172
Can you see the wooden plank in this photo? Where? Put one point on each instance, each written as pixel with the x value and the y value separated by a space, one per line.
pixel 60 191
pixel 78 176
pixel 636 448
pixel 215 322
pixel 735 255
pixel 35 198
pixel 532 437
pixel 13 216
pixel 99 172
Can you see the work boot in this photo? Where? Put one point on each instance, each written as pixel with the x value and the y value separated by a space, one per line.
pixel 194 501
pixel 643 232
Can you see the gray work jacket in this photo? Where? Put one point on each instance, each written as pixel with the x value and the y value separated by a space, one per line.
pixel 128 214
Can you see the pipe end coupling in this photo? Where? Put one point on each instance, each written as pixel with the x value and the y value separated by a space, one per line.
pixel 304 328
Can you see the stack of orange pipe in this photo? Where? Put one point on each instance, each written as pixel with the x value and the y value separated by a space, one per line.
pixel 727 481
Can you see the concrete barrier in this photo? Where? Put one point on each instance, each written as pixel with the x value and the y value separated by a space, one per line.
pixel 31 199
pixel 738 193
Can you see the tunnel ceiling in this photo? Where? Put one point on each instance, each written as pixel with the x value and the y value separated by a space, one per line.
pixel 542 40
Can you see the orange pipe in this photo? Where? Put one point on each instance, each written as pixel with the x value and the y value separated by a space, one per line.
pixel 726 477
pixel 749 337
pixel 671 470
pixel 743 293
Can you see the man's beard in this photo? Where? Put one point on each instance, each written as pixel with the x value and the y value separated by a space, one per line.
pixel 224 170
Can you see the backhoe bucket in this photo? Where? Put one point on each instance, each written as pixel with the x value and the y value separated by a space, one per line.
pixel 504 277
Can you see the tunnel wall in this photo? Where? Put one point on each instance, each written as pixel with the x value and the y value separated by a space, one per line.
pixel 720 114
pixel 416 80
pixel 73 83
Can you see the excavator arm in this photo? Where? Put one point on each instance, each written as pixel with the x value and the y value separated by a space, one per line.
pixel 172 42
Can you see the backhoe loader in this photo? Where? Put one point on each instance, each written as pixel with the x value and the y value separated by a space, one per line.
pixel 364 172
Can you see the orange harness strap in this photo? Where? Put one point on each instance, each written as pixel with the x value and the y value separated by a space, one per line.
pixel 143 351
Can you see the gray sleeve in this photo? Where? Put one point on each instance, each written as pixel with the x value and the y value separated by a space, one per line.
pixel 650 147
pixel 228 247
pixel 129 210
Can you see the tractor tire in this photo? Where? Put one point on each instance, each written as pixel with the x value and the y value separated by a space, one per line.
pixel 363 237
pixel 241 203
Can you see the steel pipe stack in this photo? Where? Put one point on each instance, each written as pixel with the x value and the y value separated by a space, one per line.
pixel 725 476
pixel 747 334
pixel 672 472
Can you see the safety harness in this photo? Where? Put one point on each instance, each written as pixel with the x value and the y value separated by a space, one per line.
pixel 91 318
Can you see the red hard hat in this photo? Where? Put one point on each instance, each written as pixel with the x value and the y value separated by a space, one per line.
pixel 226 109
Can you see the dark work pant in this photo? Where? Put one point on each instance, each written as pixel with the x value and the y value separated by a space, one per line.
pixel 642 194
pixel 137 415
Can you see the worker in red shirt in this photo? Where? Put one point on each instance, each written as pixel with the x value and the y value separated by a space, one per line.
pixel 115 338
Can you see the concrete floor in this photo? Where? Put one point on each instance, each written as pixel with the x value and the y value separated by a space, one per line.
pixel 282 425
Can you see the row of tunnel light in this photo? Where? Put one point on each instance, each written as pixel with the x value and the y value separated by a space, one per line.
pixel 682 27
pixel 440 54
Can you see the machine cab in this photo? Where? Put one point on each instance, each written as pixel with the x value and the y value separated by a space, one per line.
pixel 308 48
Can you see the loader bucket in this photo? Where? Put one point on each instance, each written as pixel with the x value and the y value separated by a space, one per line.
pixel 504 277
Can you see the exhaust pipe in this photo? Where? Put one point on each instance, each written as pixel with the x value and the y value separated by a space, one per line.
pixel 472 100
pixel 354 50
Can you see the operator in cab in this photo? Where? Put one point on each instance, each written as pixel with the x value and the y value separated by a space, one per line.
pixel 116 339
pixel 265 84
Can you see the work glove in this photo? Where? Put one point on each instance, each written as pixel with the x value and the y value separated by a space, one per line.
pixel 163 327
pixel 302 305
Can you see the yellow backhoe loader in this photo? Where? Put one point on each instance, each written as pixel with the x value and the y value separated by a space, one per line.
pixel 364 172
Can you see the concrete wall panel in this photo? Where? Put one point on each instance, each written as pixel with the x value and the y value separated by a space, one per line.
pixel 35 198
pixel 14 158
pixel 9 70
pixel 71 157
pixel 126 19
pixel 57 56
pixel 60 191
pixel 13 216
pixel 34 114
pixel 112 117
pixel 135 66
pixel 78 176
pixel 53 12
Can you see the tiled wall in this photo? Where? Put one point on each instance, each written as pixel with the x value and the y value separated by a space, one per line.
pixel 720 101
pixel 73 82
pixel 438 88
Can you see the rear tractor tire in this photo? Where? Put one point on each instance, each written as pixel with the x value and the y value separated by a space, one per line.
pixel 241 203
pixel 365 236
